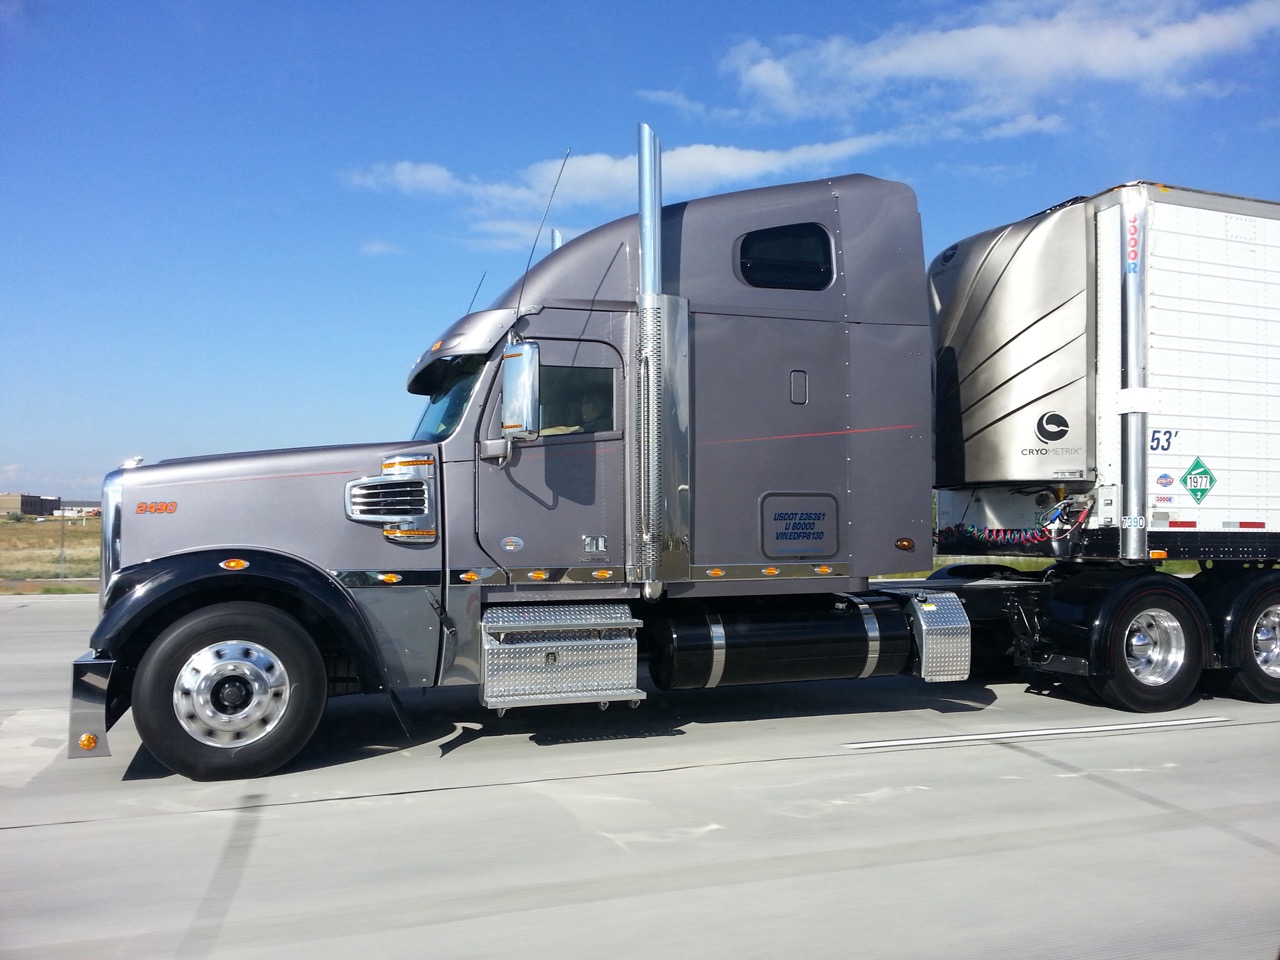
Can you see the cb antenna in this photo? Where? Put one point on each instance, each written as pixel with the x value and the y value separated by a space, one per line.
pixel 538 235
pixel 477 293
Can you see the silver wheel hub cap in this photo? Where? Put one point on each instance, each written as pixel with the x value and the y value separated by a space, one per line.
pixel 1266 641
pixel 231 694
pixel 1155 647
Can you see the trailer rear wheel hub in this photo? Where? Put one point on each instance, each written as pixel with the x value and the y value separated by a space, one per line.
pixel 1266 641
pixel 1155 647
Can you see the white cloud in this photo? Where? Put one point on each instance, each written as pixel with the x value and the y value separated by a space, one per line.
pixel 1024 124
pixel 700 168
pixel 692 109
pixel 997 70
pixel 407 177
pixel 1006 66
pixel 379 248
pixel 598 178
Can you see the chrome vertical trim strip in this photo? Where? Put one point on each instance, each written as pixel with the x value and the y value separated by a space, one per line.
pixel 1133 374
pixel 716 626
pixel 873 637
pixel 677 499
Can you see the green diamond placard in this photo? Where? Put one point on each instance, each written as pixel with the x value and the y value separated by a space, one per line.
pixel 1198 480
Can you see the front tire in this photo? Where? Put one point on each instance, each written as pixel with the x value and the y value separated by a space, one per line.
pixel 1155 641
pixel 231 691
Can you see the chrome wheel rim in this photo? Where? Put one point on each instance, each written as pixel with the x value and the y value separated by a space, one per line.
pixel 231 694
pixel 1155 647
pixel 1266 641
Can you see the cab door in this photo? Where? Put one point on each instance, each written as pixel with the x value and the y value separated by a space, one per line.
pixel 554 511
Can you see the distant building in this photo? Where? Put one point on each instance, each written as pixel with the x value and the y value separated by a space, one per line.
pixel 81 508
pixel 29 504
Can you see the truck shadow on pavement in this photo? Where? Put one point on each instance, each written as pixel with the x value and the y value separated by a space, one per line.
pixel 452 718
pixel 359 727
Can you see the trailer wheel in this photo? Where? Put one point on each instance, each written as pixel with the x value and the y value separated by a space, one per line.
pixel 231 691
pixel 1257 640
pixel 1155 641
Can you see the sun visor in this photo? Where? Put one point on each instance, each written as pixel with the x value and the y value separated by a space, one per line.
pixel 477 332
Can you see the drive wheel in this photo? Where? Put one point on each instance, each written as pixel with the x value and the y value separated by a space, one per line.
pixel 1257 643
pixel 1155 641
pixel 231 691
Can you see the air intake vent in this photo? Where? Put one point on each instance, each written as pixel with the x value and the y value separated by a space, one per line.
pixel 385 500
pixel 400 500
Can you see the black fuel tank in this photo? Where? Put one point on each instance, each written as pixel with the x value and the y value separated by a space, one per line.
pixel 865 636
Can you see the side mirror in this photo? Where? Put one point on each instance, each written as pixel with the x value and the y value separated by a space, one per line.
pixel 520 411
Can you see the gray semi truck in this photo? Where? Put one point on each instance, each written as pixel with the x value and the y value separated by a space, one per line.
pixel 689 440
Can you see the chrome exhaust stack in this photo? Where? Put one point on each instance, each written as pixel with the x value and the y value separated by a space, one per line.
pixel 649 362
pixel 661 454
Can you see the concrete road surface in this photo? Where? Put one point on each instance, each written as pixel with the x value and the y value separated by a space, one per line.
pixel 877 819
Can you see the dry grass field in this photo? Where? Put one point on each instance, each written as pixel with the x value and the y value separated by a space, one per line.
pixel 46 557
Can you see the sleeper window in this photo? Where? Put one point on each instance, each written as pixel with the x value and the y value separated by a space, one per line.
pixel 792 257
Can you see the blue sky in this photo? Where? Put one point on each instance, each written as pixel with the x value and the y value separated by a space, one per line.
pixel 231 225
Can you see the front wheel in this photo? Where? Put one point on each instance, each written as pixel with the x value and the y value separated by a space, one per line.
pixel 1155 641
pixel 231 691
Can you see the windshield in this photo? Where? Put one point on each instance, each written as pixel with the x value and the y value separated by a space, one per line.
pixel 452 380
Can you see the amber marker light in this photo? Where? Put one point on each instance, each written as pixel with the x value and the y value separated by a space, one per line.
pixel 770 571
pixel 1158 554
pixel 234 564
pixel 822 568
pixel 602 574
pixel 905 543
pixel 436 346
pixel 87 741
pixel 538 574
pixel 390 577
pixel 715 572
pixel 470 576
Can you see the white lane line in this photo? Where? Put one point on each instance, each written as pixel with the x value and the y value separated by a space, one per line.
pixel 1030 734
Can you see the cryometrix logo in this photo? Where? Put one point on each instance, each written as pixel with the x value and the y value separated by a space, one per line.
pixel 1052 427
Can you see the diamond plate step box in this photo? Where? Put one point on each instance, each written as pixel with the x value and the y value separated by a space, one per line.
pixel 558 653
pixel 941 630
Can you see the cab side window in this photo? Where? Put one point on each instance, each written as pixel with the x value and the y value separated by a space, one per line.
pixel 576 399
